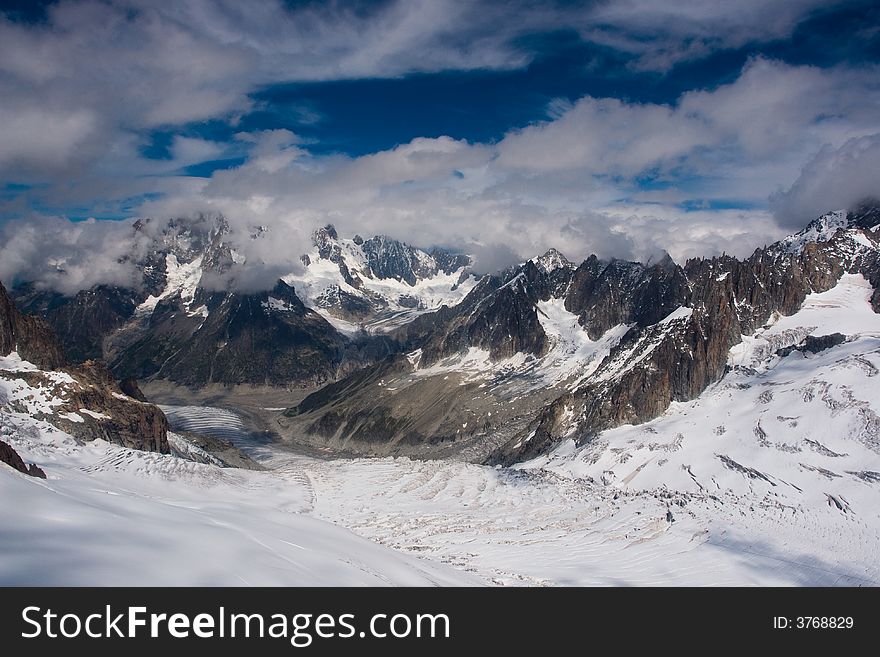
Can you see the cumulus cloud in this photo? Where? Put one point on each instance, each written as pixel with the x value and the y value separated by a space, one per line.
pixel 68 257
pixel 772 111
pixel 835 178
pixel 570 182
pixel 60 80
pixel 601 175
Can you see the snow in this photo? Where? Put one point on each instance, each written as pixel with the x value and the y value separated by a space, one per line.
pixel 343 326
pixel 770 477
pixel 820 230
pixel 679 313
pixel 107 515
pixel 182 279
pixel 551 261
pixel 15 363
pixel 43 398
pixel 185 448
pixel 580 516
pixel 859 238
pixel 279 305
pixel 573 354
pixel 472 365
pixel 321 277
pixel 571 358
pixel 846 308
pixel 775 459
pixel 94 414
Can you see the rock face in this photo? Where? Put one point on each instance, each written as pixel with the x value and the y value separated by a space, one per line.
pixel 813 344
pixel 389 258
pixel 85 400
pixel 85 319
pixel 380 282
pixel 30 336
pixel 266 338
pixel 620 292
pixel 11 458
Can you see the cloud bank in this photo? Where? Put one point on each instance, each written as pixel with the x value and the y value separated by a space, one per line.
pixel 82 90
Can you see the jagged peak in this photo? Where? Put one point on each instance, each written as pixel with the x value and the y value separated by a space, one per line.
pixel 864 216
pixel 552 260
pixel 662 260
pixel 328 231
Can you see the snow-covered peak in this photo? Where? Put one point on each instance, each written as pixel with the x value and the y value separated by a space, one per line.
pixel 820 229
pixel 377 283
pixel 552 260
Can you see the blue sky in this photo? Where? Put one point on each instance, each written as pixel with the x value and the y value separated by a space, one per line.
pixel 622 127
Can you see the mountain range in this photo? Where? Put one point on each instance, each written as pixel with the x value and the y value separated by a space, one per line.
pixel 408 351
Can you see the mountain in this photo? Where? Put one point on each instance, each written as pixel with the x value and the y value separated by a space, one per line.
pixel 84 401
pixel 533 357
pixel 377 284
pixel 317 323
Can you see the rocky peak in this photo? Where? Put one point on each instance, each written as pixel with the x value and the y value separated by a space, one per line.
pixel 820 229
pixel 389 258
pixel 11 458
pixel 604 295
pixel 865 215
pixel 325 239
pixel 552 260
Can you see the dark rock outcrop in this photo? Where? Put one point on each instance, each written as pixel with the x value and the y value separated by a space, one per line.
pixel 130 387
pixel 82 320
pixel 30 336
pixel 11 458
pixel 813 344
pixel 604 295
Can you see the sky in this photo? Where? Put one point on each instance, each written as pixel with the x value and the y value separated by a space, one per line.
pixel 620 127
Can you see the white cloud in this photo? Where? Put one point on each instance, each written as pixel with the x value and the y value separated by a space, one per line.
pixel 570 183
pixel 42 139
pixel 606 136
pixel 835 178
pixel 79 91
pixel 67 256
pixel 96 69
pixel 663 33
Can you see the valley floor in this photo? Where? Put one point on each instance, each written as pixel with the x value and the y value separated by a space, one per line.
pixel 108 515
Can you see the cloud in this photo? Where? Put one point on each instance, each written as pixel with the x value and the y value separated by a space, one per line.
pixel 67 256
pixel 62 80
pixel 771 111
pixel 663 33
pixel 605 135
pixel 836 178
pixel 606 175
pixel 576 182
